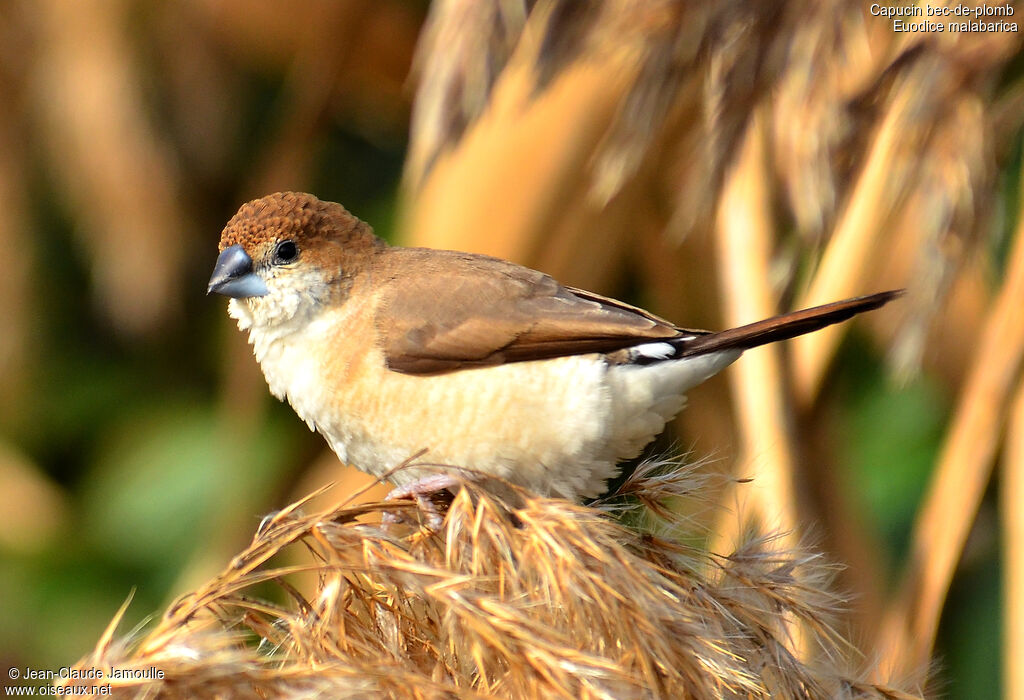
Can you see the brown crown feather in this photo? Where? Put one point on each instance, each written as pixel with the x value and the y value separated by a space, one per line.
pixel 294 215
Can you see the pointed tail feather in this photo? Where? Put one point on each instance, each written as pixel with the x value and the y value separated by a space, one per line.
pixel 785 326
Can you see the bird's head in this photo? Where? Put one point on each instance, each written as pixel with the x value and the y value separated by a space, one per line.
pixel 287 255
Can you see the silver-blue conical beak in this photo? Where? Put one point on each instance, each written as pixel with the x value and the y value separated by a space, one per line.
pixel 233 275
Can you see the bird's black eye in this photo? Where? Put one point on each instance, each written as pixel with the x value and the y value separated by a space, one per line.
pixel 285 252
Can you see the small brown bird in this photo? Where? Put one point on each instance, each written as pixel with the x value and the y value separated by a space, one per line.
pixel 487 365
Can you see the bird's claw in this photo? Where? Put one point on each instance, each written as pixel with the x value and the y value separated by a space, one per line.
pixel 422 491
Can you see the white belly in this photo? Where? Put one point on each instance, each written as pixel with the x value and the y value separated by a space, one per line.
pixel 540 425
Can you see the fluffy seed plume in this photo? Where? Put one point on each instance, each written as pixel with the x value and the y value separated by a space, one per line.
pixel 536 598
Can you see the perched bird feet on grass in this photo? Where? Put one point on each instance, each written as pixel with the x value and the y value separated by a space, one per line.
pixel 427 492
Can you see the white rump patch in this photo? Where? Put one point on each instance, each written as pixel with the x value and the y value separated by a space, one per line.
pixel 655 351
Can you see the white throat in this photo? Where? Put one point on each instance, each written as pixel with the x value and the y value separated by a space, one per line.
pixel 284 352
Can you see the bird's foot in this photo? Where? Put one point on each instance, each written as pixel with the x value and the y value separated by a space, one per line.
pixel 427 492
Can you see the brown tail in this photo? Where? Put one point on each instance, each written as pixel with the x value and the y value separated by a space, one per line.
pixel 786 325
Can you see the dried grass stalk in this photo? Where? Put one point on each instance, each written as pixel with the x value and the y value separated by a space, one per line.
pixel 744 247
pixel 1013 550
pixel 537 598
pixel 846 258
pixel 963 471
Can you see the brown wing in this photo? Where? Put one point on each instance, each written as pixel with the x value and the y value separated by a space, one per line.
pixel 448 310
